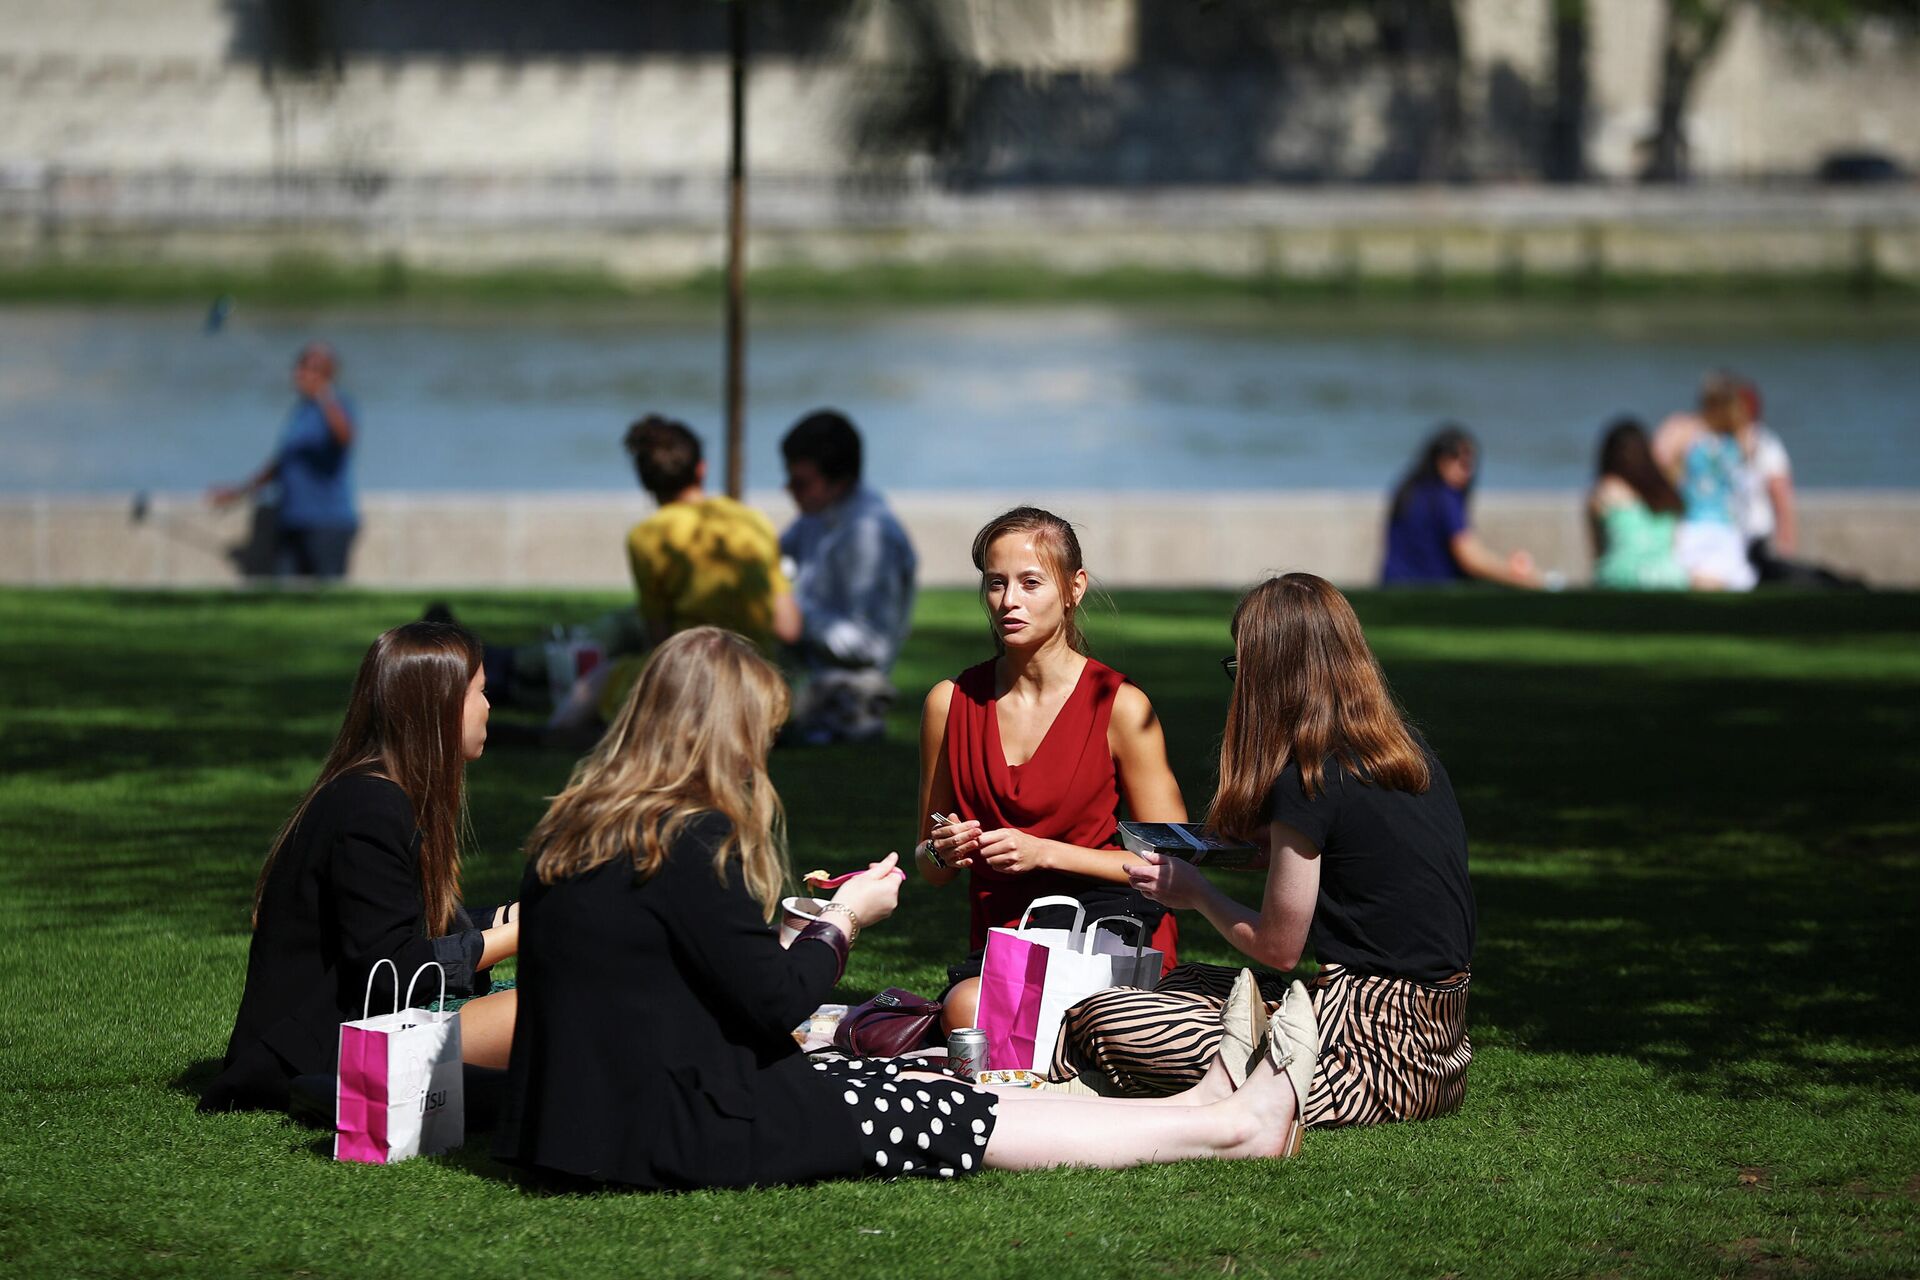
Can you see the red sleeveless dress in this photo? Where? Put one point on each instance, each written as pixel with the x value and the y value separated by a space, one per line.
pixel 1068 792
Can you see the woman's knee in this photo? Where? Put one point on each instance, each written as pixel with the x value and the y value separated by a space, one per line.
pixel 961 1006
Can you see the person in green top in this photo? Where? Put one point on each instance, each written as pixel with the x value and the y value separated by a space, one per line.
pixel 1634 513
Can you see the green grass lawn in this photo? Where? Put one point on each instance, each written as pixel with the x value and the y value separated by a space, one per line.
pixel 1696 844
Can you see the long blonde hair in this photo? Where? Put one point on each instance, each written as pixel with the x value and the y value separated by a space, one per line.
pixel 404 723
pixel 1308 688
pixel 692 737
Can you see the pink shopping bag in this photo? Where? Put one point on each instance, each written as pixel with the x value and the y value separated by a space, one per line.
pixel 1013 980
pixel 401 1090
pixel 1028 979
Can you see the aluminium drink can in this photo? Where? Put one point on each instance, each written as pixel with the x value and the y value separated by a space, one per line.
pixel 967 1051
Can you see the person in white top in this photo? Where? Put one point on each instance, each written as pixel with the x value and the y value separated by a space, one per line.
pixel 1764 504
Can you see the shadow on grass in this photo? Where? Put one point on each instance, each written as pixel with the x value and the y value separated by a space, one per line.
pixel 1713 871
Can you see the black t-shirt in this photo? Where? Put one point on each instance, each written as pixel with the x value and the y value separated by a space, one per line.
pixel 1394 895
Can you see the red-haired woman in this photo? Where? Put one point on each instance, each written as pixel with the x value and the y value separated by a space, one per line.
pixel 1034 750
pixel 1367 863
pixel 368 869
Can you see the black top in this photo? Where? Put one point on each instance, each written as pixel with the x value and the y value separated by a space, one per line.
pixel 1394 895
pixel 653 1044
pixel 343 894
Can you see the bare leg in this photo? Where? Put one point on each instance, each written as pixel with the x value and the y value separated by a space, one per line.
pixel 1044 1130
pixel 486 1028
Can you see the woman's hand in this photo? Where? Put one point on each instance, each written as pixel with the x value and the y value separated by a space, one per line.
pixel 1011 851
pixel 957 844
pixel 1171 882
pixel 874 893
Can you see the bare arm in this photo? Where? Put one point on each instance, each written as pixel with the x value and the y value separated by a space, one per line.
pixel 1479 560
pixel 1275 935
pixel 339 424
pixel 499 942
pixel 1786 519
pixel 787 622
pixel 225 495
pixel 936 782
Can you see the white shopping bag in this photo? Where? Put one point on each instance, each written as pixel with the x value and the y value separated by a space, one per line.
pixel 401 1091
pixel 1029 978
pixel 1135 964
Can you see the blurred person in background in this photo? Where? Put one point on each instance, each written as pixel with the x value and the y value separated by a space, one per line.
pixel 1701 455
pixel 701 560
pixel 1768 514
pixel 853 570
pixel 1428 536
pixel 312 470
pixel 1633 515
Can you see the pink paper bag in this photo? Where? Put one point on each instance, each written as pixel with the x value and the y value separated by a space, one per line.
pixel 401 1089
pixel 1013 981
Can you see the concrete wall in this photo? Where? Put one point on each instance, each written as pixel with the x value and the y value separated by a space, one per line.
pixel 112 85
pixel 508 540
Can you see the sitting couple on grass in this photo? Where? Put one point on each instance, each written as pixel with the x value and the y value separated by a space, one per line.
pixel 649 1037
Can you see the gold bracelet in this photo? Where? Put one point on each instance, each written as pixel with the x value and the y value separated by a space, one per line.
pixel 853 920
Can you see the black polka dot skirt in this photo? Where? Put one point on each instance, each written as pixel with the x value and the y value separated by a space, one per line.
pixel 913 1127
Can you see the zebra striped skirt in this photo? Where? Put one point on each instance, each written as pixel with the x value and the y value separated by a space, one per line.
pixel 1390 1048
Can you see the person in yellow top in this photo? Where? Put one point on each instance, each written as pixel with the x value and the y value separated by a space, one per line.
pixel 702 559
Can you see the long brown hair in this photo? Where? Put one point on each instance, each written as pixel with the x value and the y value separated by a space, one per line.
pixel 404 723
pixel 693 736
pixel 1627 454
pixel 1059 549
pixel 1307 689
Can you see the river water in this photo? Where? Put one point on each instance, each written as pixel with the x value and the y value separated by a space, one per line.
pixel 1008 398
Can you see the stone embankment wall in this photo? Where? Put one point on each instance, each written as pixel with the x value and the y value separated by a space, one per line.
pixel 1131 539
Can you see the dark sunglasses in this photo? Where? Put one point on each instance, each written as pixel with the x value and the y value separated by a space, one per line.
pixel 1231 666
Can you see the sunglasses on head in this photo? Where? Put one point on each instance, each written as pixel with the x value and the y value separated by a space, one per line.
pixel 1230 665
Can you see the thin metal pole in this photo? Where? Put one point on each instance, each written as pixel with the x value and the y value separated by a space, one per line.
pixel 737 262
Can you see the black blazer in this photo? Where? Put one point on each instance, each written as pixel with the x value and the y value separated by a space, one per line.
pixel 343 894
pixel 653 1044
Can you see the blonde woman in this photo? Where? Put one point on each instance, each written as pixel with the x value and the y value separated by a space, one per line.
pixel 653 1044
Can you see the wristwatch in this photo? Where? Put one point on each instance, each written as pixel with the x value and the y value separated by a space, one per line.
pixel 926 850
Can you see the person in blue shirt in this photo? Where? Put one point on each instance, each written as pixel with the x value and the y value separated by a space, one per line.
pixel 1428 537
pixel 853 568
pixel 313 470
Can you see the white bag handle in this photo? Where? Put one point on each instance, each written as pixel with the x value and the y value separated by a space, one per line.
pixel 1139 934
pixel 366 1005
pixel 1055 900
pixel 431 964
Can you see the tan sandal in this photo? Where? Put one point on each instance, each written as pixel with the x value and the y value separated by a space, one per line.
pixel 1293 1047
pixel 1243 1027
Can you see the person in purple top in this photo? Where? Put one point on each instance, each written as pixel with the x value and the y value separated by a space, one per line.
pixel 1428 536
pixel 313 470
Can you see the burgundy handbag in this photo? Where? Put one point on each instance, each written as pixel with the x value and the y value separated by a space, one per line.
pixel 892 1023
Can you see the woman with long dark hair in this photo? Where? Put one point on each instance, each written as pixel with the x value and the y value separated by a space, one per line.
pixel 368 869
pixel 653 1046
pixel 1633 515
pixel 1429 538
pixel 1032 752
pixel 1366 864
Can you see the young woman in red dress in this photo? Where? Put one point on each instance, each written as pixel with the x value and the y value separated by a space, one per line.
pixel 1032 752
